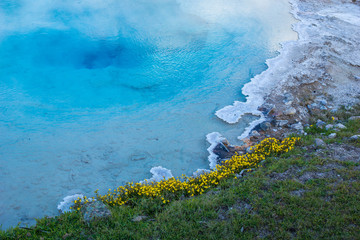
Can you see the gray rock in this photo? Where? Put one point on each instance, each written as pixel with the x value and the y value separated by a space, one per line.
pixel 323 108
pixel 355 137
pixel 298 193
pixel 243 172
pixel 281 123
pixel 224 151
pixel 319 142
pixel 313 106
pixel 322 102
pixel 255 133
pixel 290 111
pixel 139 218
pixel 288 98
pixel 354 118
pixel 238 175
pixel 340 126
pixel 320 123
pixel 225 142
pixel 297 126
pixel 333 135
pixel 95 210
pixel 329 126
pixel 265 126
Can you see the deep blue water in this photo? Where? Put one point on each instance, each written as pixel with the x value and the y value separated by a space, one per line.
pixel 94 94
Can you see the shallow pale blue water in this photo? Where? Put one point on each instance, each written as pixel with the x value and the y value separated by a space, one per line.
pixel 94 94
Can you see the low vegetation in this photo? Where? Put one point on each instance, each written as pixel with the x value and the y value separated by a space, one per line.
pixel 175 188
pixel 302 191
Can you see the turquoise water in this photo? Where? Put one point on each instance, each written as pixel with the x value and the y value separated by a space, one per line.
pixel 94 94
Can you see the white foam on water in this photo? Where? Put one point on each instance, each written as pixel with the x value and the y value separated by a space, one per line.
pixel 158 174
pixel 258 88
pixel 67 202
pixel 214 139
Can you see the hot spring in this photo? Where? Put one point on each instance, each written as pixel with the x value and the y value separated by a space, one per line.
pixel 95 93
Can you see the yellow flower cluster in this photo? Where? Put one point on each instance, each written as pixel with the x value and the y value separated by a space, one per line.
pixel 174 188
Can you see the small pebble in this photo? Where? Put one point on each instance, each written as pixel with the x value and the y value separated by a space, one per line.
pixel 355 137
pixel 354 118
pixel 319 142
pixel 139 218
pixel 322 102
pixel 281 123
pixel 320 123
pixel 340 126
pixel 255 133
pixel 333 135
pixel 329 126
pixel 313 106
pixel 265 125
pixel 297 126
pixel 290 111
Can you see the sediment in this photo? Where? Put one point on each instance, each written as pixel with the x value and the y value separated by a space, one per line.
pixel 320 71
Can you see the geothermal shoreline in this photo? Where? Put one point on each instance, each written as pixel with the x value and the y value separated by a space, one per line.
pixel 319 71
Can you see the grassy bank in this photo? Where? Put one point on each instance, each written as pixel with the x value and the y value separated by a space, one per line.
pixel 310 192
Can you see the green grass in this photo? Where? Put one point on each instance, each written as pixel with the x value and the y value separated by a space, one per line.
pixel 273 202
